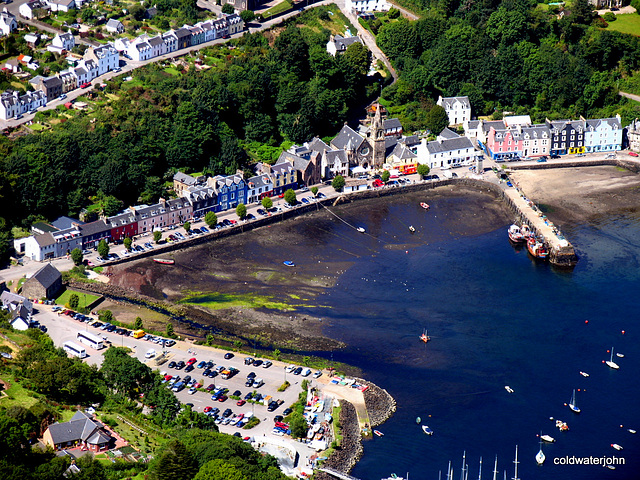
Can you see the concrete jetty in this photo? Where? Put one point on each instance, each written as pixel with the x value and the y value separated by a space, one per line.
pixel 561 252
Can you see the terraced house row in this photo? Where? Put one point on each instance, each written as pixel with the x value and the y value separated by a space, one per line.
pixel 99 60
pixel 518 137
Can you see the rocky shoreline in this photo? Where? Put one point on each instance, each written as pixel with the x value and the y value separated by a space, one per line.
pixel 380 404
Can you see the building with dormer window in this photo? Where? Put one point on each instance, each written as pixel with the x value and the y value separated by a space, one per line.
pixel 567 136
pixel 603 135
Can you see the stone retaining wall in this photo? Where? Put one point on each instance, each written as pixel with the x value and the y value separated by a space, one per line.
pixel 379 403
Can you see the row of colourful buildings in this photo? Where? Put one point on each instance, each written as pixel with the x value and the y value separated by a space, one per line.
pixel 517 137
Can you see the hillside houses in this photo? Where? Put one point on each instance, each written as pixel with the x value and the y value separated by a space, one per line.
pixel 105 58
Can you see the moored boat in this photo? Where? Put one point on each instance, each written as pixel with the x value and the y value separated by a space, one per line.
pixel 584 374
pixel 515 234
pixel 412 229
pixel 572 403
pixel 616 446
pixel 378 433
pixel 508 388
pixel 164 261
pixel 631 430
pixel 361 229
pixel 424 337
pixel 537 249
pixel 547 438
pixel 427 430
pixel 562 426
pixel 610 363
pixel 526 231
pixel 289 263
pixel 424 205
pixel 540 457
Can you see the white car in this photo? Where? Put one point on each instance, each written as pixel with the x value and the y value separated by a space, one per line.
pixel 289 368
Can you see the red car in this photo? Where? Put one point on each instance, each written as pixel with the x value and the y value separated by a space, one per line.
pixel 85 85
pixel 207 409
pixel 192 361
pixel 222 398
pixel 633 154
pixel 241 402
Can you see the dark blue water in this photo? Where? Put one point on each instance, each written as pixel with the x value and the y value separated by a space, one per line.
pixel 495 318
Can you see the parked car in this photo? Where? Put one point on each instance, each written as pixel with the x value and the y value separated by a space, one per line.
pixel 267 364
pixel 633 154
pixel 228 355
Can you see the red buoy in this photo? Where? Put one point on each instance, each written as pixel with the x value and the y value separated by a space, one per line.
pixel 623 332
pixel 586 321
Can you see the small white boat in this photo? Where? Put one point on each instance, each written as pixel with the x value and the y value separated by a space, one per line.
pixel 427 430
pixel 289 263
pixel 361 230
pixel 508 388
pixel 515 234
pixel 424 205
pixel 540 457
pixel 631 430
pixel 378 433
pixel 418 420
pixel 610 363
pixel 610 467
pixel 616 446
pixel 621 355
pixel 572 404
pixel 164 261
pixel 412 229
pixel 584 374
pixel 547 438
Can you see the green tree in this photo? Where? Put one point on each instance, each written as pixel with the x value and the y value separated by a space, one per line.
pixel 298 425
pixel 157 236
pixel 137 325
pixel 211 219
pixel 385 176
pixel 241 211
pixel 338 183
pixel 609 17
pixel 169 331
pixel 267 202
pixel 227 8
pixel 290 196
pixel 358 58
pixel 314 190
pixel 127 243
pixel 125 374
pixel 106 316
pixel 247 16
pixel 74 301
pixel 103 249
pixel 437 119
pixel 175 462
pixel 210 339
pixel 277 353
pixel 218 469
pixel 76 256
pixel 187 225
pixel 423 170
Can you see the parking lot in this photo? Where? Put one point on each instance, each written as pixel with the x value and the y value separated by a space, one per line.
pixel 178 361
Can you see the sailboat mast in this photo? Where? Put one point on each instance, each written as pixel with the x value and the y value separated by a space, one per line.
pixel 515 476
pixel 495 469
pixel 449 476
pixel 480 471
pixel 464 462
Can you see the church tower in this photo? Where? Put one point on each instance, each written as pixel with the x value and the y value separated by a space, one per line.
pixel 377 138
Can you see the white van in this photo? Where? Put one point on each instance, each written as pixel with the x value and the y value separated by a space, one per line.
pixel 306 372
pixel 150 353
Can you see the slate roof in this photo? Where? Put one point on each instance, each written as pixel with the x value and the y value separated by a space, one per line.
pixel 47 275
pixel 448 102
pixel 259 181
pixel 334 156
pixel 80 427
pixel 113 23
pixel 298 162
pixel 45 239
pixel 536 131
pixel 184 178
pixel 62 223
pixel 52 82
pixel 7 298
pixel 282 167
pixel 343 43
pixel 347 139
pixel 449 145
pixel 403 153
pixel 317 145
pixel 92 228
pixel 390 123
pixel 410 141
pixel 448 133
pixel 155 41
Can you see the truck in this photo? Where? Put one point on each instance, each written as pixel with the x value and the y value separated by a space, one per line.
pixel 228 373
pixel 138 334
pixel 178 386
pixel 257 383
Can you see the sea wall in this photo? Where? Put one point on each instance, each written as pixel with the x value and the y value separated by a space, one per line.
pixel 379 403
pixel 350 450
pixel 632 166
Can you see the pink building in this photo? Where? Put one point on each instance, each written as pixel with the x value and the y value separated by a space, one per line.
pixel 503 143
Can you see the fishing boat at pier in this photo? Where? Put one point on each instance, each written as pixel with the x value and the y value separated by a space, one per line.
pixel 515 234
pixel 526 231
pixel 164 261
pixel 537 248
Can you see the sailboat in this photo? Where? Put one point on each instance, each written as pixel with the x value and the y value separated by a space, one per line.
pixel 424 337
pixel 610 363
pixel 540 458
pixel 412 228
pixel 480 470
pixel 464 473
pixel 572 404
pixel 495 469
pixel 516 462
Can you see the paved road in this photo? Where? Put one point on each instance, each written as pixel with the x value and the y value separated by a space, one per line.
pixel 630 95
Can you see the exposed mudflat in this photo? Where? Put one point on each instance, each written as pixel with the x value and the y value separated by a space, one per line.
pixel 240 285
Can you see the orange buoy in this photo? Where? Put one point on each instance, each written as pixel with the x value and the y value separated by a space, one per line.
pixel 623 332
pixel 586 321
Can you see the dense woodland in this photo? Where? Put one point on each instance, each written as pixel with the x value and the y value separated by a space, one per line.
pixel 282 86
pixel 191 447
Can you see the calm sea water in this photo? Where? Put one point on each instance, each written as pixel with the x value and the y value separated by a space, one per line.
pixel 495 318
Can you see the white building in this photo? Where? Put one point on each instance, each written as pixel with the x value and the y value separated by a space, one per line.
pixel 367 5
pixel 106 57
pixel 157 45
pixel 7 22
pixel 61 5
pixel 339 44
pixel 139 50
pixel 234 22
pixel 603 135
pixel 64 41
pixel 121 44
pixel 446 152
pixel 458 109
pixel 114 26
pixel 28 10
pixel 170 41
